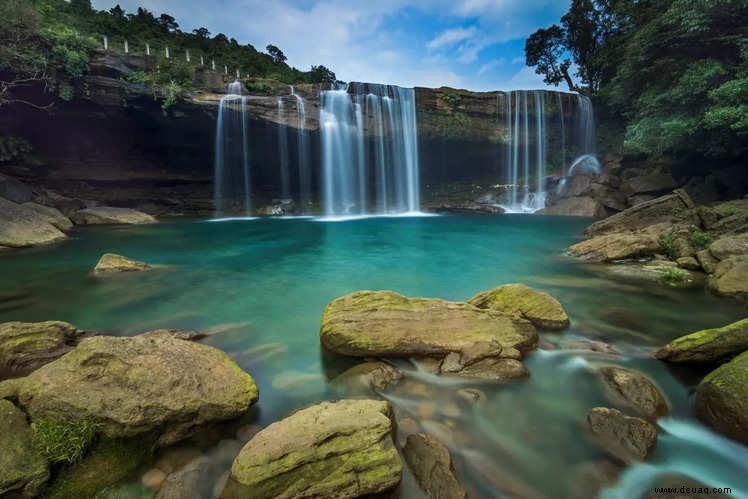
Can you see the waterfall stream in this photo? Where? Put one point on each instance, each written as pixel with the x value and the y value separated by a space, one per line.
pixel 231 166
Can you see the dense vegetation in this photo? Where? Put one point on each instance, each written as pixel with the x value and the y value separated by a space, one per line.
pixel 48 43
pixel 669 76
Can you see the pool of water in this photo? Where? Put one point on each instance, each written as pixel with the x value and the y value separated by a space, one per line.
pixel 264 283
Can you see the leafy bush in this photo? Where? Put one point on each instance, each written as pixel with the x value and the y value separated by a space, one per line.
pixel 666 243
pixel 674 276
pixel 61 440
pixel 259 86
pixel 13 148
pixel 171 80
pixel 700 240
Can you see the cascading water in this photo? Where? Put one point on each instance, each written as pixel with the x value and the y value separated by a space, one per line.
pixel 283 153
pixel 305 174
pixel 369 151
pixel 231 168
pixel 529 139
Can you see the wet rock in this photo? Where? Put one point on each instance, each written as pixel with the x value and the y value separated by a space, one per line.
pixel 730 277
pixel 471 394
pixel 592 476
pixel 688 262
pixel 153 479
pixel 193 480
pixel 130 386
pixel 538 307
pixel 430 462
pixel 625 438
pixel 52 215
pixel 109 215
pixel 654 183
pixel 729 246
pixel 385 323
pixel 722 399
pixel 633 389
pixel 333 449
pixel 26 346
pixel 14 190
pixel 494 369
pixel 610 247
pixel 470 209
pixel 109 263
pixel 709 345
pixel 22 469
pixel 21 227
pixel 375 375
pixel 576 207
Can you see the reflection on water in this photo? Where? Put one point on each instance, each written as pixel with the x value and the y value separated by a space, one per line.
pixel 261 285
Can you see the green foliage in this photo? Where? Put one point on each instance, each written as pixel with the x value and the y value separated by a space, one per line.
pixel 674 276
pixel 666 243
pixel 13 148
pixel 700 240
pixel 259 87
pixel 63 440
pixel 171 80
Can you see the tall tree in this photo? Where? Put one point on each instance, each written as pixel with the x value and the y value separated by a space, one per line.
pixel 277 54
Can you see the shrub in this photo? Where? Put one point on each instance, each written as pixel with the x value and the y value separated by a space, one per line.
pixel 674 276
pixel 13 148
pixel 666 243
pixel 259 86
pixel 701 240
pixel 61 440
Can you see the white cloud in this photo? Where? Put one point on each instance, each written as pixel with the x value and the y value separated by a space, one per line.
pixel 451 36
pixel 518 60
pixel 489 66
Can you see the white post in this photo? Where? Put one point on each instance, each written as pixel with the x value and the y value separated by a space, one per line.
pixel 127 48
pixel 213 64
pixel 147 49
pixel 225 70
pixel 237 74
pixel 187 55
pixel 202 62
pixel 166 51
pixel 106 43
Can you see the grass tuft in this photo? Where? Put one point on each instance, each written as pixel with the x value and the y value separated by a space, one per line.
pixel 63 441
pixel 673 276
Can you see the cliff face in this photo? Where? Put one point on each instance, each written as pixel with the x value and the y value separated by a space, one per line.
pixel 118 145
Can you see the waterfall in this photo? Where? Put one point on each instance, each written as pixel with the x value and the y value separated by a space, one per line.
pixel 231 168
pixel 528 159
pixel 305 174
pixel 369 150
pixel 283 153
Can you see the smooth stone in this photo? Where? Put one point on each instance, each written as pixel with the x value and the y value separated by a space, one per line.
pixel 22 469
pixel 109 215
pixel 538 307
pixel 52 215
pixel 374 375
pixel 609 247
pixel 635 390
pixel 153 479
pixel 722 399
pixel 26 346
pixel 625 438
pixel 688 262
pixel 110 263
pixel 332 449
pixel 431 463
pixel 731 277
pixel 21 227
pixel 708 345
pixel 582 206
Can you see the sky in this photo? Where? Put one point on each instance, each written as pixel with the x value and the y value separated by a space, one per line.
pixel 472 44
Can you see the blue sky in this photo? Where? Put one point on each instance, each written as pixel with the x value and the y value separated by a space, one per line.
pixel 473 44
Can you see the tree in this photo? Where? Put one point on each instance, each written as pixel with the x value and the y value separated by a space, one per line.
pixel 201 32
pixel 117 12
pixel 546 50
pixel 276 53
pixel 320 74
pixel 168 23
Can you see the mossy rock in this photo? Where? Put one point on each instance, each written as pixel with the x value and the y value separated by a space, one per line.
pixel 25 346
pixel 634 389
pixel 333 449
pixel 110 263
pixel 538 307
pixel 722 399
pixel 22 468
pixel 708 345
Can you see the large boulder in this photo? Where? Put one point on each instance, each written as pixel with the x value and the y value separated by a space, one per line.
pixel 129 386
pixel 388 324
pixel 633 389
pixel 653 183
pixel 538 307
pixel 52 215
pixel 109 263
pixel 430 462
pixel 730 277
pixel 623 437
pixel 728 246
pixel 14 190
pixel 333 449
pixel 99 215
pixel 615 246
pixel 26 346
pixel 722 399
pixel 578 206
pixel 21 227
pixel 709 345
pixel 22 469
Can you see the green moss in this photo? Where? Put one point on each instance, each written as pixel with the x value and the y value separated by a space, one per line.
pixel 63 440
pixel 673 276
pixel 259 86
pixel 700 240
pixel 666 243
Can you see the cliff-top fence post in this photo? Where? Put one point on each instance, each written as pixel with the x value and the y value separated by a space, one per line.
pixel 147 49
pixel 237 74
pixel 106 43
pixel 202 61
pixel 166 52
pixel 213 64
pixel 225 70
pixel 187 55
pixel 127 47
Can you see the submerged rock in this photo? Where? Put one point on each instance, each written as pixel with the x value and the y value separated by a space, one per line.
pixel 538 307
pixel 374 375
pixel 129 386
pixel 22 469
pixel 99 215
pixel 333 449
pixel 430 462
pixel 722 399
pixel 26 346
pixel 708 345
pixel 21 227
pixel 634 389
pixel 385 323
pixel 109 263
pixel 625 438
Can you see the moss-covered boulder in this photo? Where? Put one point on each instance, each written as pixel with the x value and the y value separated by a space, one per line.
pixel 633 389
pixel 110 263
pixel 538 307
pixel 333 449
pixel 430 462
pixel 626 438
pixel 722 399
pixel 23 470
pixel 130 386
pixel 388 324
pixel 708 345
pixel 25 346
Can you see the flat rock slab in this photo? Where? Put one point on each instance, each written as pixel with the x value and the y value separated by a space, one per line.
pixel 722 399
pixel 135 385
pixel 100 215
pixel 388 324
pixel 625 438
pixel 52 215
pixel 708 345
pixel 110 263
pixel 430 462
pixel 333 449
pixel 538 307
pixel 26 346
pixel 22 469
pixel 610 247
